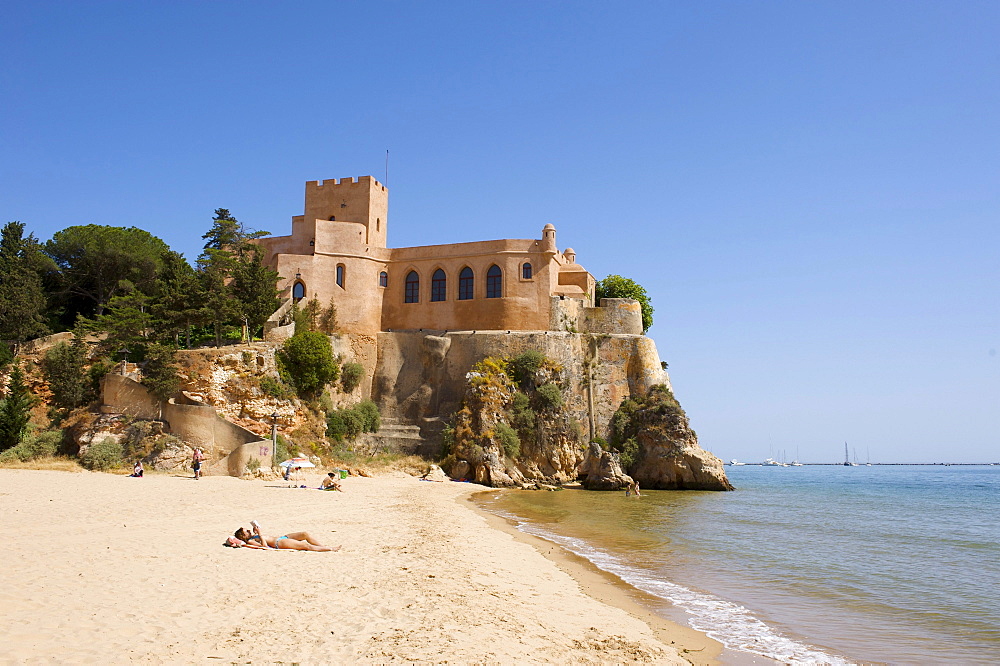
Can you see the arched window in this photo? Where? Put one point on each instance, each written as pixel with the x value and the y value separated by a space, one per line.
pixel 340 275
pixel 526 271
pixel 439 285
pixel 298 292
pixel 383 279
pixel 412 291
pixel 333 218
pixel 494 282
pixel 466 284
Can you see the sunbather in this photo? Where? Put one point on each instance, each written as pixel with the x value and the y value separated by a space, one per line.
pixel 290 541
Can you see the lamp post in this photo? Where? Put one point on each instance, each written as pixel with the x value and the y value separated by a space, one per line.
pixel 274 439
pixel 124 352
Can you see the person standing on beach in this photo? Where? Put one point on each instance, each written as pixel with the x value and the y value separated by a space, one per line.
pixel 196 459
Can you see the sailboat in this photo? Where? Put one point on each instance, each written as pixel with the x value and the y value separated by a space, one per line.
pixel 847 458
pixel 796 463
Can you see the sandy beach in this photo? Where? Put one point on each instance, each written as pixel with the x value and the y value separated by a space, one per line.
pixel 107 568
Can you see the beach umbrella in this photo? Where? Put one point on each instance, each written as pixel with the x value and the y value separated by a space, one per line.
pixel 296 462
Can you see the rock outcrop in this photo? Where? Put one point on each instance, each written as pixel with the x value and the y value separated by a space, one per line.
pixel 602 470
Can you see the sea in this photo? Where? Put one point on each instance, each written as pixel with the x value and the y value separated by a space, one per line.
pixel 826 564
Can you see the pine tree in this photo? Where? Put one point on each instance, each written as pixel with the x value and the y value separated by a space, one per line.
pixel 15 410
pixel 22 299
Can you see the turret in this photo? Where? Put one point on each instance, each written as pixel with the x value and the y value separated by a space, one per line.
pixel 549 238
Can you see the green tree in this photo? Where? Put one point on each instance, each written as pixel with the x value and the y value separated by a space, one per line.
pixel 63 367
pixel 95 262
pixel 22 299
pixel 328 319
pixel 159 371
pixel 15 410
pixel 178 303
pixel 233 279
pixel 127 321
pixel 255 287
pixel 308 359
pixel 616 286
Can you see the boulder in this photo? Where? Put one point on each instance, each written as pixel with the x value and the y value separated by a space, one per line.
pixel 601 470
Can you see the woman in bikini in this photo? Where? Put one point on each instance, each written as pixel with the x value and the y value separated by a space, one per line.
pixel 290 541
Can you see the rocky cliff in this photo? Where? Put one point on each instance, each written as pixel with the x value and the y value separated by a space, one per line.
pixel 425 377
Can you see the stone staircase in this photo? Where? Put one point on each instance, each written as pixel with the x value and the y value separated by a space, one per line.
pixel 401 436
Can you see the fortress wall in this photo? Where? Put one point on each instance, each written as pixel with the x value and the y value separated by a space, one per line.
pixel 127 396
pixel 422 375
pixel 615 315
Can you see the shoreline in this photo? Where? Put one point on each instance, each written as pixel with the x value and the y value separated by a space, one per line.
pixel 695 646
pixel 119 570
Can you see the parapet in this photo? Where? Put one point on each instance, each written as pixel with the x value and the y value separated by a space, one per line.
pixel 338 182
pixel 616 315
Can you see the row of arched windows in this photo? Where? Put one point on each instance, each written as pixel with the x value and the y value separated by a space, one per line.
pixel 439 283
pixel 466 285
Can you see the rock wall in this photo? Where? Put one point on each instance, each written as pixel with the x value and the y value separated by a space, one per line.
pixel 422 374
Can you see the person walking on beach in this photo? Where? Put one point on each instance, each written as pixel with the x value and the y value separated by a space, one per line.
pixel 196 459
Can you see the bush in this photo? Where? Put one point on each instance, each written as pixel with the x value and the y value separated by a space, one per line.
pixel 275 388
pixel 522 369
pixel 508 440
pixel 6 356
pixel 104 455
pixel 371 419
pixel 549 397
pixel 628 453
pixel 351 375
pixel 308 359
pixel 349 423
pixel 35 445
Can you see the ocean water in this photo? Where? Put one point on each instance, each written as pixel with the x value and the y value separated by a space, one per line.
pixel 812 564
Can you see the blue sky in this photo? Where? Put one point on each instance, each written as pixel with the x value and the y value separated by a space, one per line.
pixel 807 190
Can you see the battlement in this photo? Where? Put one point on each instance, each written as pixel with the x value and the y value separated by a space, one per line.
pixel 338 182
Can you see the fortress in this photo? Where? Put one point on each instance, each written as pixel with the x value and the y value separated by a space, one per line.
pixel 337 253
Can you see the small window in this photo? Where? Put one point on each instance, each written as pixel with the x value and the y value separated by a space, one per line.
pixel 466 284
pixel 494 282
pixel 412 291
pixel 439 285
pixel 526 272
pixel 383 279
pixel 340 275
pixel 298 292
pixel 333 218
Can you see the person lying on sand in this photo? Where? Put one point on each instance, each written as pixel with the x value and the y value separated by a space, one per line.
pixel 331 483
pixel 290 541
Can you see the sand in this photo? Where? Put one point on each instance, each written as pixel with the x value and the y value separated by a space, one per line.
pixel 101 567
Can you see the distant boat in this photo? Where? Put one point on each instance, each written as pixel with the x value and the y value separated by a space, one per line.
pixel 736 463
pixel 796 463
pixel 847 458
pixel 771 462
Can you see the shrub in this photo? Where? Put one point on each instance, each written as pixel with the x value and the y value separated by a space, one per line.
pixel 521 416
pixel 6 356
pixel 35 445
pixel 275 388
pixel 103 455
pixel 350 376
pixel 628 453
pixel 522 369
pixel 508 440
pixel 308 359
pixel 549 397
pixel 336 428
pixel 372 420
pixel 349 423
pixel 281 449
